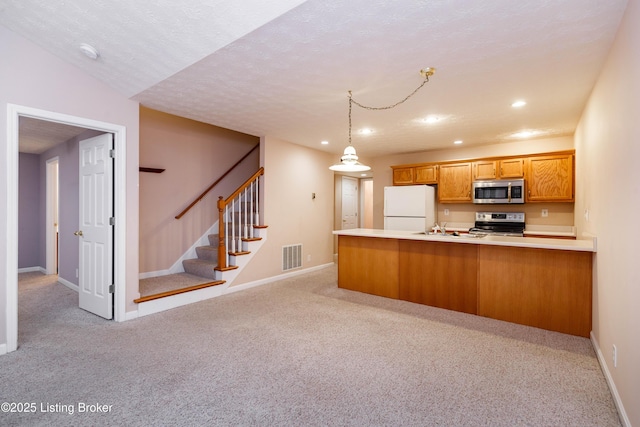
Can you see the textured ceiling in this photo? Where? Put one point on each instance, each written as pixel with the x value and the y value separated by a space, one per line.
pixel 283 68
pixel 37 136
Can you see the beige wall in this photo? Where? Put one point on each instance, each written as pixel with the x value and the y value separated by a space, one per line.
pixel 194 155
pixel 31 77
pixel 559 213
pixel 608 138
pixel 292 173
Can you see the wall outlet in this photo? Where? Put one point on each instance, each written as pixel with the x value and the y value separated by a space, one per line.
pixel 615 356
pixel 545 213
pixel 446 211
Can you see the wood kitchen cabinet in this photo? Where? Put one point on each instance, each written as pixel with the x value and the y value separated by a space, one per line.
pixel 511 168
pixel 485 169
pixel 403 175
pixel 498 169
pixel 550 178
pixel 454 183
pixel 427 174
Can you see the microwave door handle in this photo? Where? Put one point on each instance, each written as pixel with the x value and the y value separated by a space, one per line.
pixel 509 192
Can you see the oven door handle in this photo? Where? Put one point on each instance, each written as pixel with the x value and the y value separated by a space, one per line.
pixel 509 193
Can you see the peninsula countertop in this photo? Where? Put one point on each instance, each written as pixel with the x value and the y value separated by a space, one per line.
pixel 582 245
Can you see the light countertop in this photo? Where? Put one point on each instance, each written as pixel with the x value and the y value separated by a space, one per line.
pixel 584 245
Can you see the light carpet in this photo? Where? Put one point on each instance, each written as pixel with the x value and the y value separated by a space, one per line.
pixel 298 352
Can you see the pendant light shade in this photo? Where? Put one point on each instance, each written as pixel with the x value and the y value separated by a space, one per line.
pixel 349 162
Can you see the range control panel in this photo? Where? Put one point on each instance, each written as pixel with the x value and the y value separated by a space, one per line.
pixel 500 216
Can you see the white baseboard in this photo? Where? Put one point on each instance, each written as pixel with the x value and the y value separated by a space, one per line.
pixel 612 386
pixel 271 279
pixel 68 284
pixel 130 315
pixel 3 349
pixel 32 269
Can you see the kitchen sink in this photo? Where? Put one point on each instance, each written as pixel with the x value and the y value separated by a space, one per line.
pixel 451 235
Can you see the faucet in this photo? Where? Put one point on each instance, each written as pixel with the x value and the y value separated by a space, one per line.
pixel 443 230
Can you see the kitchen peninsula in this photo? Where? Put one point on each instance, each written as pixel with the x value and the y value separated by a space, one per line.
pixel 540 282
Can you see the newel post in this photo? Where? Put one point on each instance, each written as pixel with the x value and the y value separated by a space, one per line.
pixel 222 250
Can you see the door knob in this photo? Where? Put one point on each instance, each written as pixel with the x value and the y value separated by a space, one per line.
pixel 77 233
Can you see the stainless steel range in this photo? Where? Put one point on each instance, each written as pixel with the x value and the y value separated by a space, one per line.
pixel 499 224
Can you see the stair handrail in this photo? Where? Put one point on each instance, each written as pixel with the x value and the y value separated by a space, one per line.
pixel 222 203
pixel 205 192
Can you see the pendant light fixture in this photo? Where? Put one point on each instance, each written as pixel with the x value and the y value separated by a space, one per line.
pixel 349 160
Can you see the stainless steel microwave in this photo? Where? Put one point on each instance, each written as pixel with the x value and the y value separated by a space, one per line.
pixel 499 191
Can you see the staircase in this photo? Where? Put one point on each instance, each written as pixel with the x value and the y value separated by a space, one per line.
pixel 239 235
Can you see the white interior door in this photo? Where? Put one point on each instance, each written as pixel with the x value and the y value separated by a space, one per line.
pixel 349 203
pixel 95 233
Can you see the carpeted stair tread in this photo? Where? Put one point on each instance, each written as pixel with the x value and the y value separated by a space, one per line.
pixel 200 267
pixel 207 253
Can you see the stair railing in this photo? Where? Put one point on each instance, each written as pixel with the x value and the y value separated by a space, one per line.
pixel 238 215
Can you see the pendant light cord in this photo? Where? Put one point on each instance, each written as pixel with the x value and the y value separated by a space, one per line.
pixel 388 107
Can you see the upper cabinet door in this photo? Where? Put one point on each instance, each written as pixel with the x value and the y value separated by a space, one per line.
pixel 511 168
pixel 485 169
pixel 427 174
pixel 454 183
pixel 403 176
pixel 550 179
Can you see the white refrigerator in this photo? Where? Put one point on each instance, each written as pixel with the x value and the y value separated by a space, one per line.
pixel 409 208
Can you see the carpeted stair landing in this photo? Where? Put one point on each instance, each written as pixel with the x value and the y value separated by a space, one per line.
pixel 172 284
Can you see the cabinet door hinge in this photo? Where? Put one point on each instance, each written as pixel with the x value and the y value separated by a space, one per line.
pixel 112 154
pixel 112 288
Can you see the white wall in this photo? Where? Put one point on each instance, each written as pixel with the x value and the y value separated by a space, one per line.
pixel 291 174
pixel 608 176
pixel 31 77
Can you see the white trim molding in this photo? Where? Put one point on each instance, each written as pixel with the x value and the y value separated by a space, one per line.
pixel 14 112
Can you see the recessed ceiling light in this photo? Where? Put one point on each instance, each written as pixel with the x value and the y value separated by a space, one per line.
pixel 431 119
pixel 525 134
pixel 325 143
pixel 519 104
pixel 89 51
pixel 363 174
pixel 459 141
pixel 366 131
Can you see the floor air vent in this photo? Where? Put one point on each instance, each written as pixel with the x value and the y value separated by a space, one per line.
pixel 291 257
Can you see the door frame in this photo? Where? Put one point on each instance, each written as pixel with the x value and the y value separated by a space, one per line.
pixel 14 112
pixel 52 213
